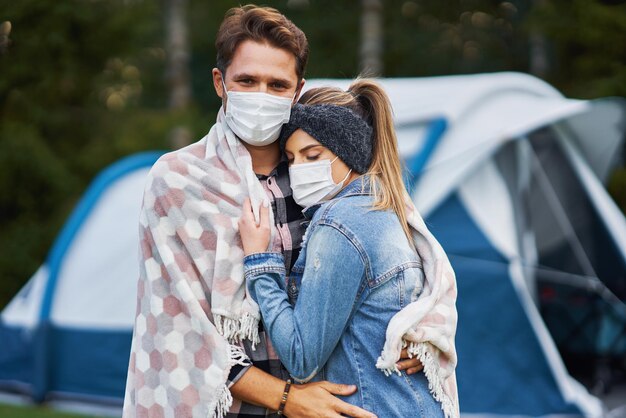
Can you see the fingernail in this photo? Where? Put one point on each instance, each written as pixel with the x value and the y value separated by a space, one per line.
pixel 265 203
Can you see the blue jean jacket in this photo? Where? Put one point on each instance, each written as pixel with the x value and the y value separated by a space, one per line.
pixel 355 271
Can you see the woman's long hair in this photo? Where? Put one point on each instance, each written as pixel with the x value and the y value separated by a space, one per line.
pixel 367 98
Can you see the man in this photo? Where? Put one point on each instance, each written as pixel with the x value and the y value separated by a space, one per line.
pixel 247 61
pixel 198 340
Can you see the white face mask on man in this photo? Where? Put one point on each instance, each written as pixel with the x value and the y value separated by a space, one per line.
pixel 312 183
pixel 255 117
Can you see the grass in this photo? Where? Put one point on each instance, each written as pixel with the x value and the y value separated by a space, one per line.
pixel 13 411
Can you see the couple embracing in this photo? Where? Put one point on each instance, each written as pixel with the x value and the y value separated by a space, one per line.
pixel 284 269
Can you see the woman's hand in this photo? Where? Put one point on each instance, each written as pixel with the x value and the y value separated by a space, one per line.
pixel 411 365
pixel 319 399
pixel 255 238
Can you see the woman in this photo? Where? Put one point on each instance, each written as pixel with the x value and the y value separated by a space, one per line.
pixel 370 276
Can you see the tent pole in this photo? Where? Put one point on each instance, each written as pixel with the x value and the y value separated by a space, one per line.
pixel 561 216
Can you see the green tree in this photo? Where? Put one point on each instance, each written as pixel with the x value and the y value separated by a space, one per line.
pixel 69 70
pixel 587 39
pixel 83 83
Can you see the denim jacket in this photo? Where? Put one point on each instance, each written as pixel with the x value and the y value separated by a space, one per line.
pixel 355 271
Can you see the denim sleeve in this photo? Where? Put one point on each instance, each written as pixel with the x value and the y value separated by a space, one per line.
pixel 304 336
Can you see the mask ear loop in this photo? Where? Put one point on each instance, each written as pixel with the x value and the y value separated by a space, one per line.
pixel 346 177
pixel 349 171
pixel 225 93
pixel 293 99
pixel 224 85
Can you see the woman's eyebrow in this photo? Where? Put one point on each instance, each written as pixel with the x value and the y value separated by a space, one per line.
pixel 308 147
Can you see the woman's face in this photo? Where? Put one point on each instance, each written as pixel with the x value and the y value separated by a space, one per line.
pixel 303 148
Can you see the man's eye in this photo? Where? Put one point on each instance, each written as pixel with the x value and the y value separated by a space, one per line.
pixel 246 81
pixel 278 86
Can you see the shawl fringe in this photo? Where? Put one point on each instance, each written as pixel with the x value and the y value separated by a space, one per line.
pixel 431 370
pixel 435 382
pixel 236 330
pixel 237 355
pixel 224 401
pixel 249 329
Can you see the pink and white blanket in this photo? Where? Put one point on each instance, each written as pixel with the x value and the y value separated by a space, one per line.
pixel 192 307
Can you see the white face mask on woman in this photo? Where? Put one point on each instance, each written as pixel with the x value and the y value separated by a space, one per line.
pixel 313 182
pixel 255 117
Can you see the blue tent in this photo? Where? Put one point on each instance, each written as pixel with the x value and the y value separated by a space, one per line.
pixel 508 175
pixel 66 335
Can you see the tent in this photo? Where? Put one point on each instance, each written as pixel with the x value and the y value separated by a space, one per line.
pixel 508 175
pixel 66 335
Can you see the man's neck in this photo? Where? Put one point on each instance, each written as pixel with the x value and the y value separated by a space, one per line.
pixel 264 158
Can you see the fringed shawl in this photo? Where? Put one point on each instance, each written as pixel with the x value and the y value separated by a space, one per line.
pixel 427 326
pixel 192 307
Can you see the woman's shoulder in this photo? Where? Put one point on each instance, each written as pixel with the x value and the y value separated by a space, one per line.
pixel 343 210
pixel 377 234
pixel 357 217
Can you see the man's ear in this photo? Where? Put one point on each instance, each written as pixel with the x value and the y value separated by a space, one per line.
pixel 218 83
pixel 299 91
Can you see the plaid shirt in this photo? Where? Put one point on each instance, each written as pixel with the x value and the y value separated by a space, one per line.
pixel 290 224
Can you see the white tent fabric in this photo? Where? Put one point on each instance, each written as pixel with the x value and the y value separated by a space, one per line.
pixel 96 268
pixel 482 111
pixel 25 307
pixel 101 258
pixel 604 114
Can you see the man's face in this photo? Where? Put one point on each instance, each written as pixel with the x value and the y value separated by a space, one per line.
pixel 259 67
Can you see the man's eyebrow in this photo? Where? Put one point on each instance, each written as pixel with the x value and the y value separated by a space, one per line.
pixel 241 76
pixel 283 81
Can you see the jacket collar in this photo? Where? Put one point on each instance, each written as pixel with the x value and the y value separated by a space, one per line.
pixel 358 187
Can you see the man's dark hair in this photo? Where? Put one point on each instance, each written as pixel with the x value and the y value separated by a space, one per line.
pixel 260 24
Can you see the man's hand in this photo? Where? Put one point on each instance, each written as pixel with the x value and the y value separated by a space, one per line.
pixel 309 400
pixel 411 365
pixel 318 400
pixel 255 238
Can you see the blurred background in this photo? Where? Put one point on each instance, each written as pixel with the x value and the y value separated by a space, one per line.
pixel 84 83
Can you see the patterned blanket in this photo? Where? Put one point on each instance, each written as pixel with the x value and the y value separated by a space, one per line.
pixel 192 307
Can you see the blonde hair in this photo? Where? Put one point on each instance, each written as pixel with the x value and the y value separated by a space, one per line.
pixel 367 98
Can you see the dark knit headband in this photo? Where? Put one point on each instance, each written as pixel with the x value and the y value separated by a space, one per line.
pixel 337 128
